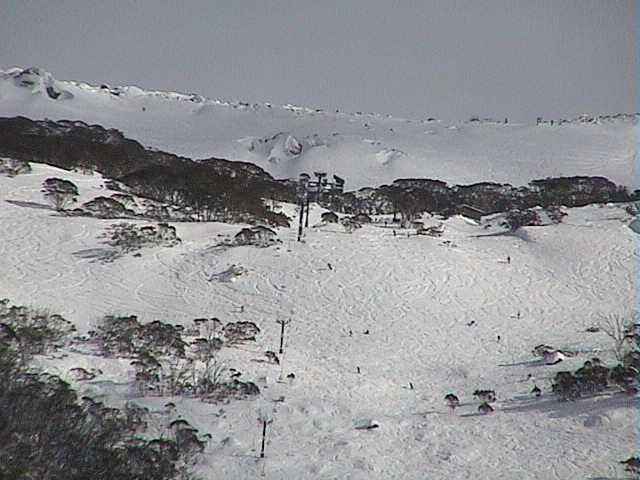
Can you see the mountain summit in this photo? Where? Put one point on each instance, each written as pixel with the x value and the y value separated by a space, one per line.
pixel 366 149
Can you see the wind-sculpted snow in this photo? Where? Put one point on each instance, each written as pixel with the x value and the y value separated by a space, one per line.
pixel 365 149
pixel 383 327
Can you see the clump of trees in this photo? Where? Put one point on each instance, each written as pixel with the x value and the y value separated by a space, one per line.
pixel 412 196
pixel 514 219
pixel 59 193
pixel 32 331
pixel 125 336
pixel 212 189
pixel 594 377
pixel 47 432
pixel 169 360
pixel 591 378
pixel 124 238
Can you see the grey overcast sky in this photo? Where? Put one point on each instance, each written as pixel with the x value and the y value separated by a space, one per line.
pixel 447 58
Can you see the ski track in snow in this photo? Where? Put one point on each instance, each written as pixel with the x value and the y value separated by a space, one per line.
pixel 414 295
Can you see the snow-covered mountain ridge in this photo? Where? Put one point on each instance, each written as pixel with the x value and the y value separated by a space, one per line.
pixel 364 148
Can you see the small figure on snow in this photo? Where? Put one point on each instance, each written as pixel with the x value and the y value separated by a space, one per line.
pixel 508 260
pixel 330 267
pixel 471 323
pixel 452 401
pixel 498 339
pixel 536 391
pixel 394 232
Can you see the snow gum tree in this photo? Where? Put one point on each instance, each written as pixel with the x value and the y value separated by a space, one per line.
pixel 59 193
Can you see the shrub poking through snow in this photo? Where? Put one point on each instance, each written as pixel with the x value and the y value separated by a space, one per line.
pixel 12 167
pixel 329 217
pixel 240 332
pixel 228 275
pixel 105 207
pixel 272 357
pixel 59 193
pixel 350 225
pixel 124 238
pixel 365 424
pixel 433 231
pixel 485 395
pixel 129 236
pixel 259 236
pixel 555 213
pixel 540 350
pixel 81 374
pixel 362 218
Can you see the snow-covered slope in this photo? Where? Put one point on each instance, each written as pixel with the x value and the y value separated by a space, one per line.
pixel 415 296
pixel 365 149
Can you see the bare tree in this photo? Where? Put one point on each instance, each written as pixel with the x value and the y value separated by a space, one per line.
pixel 617 328
pixel 214 370
pixel 177 376
pixel 213 375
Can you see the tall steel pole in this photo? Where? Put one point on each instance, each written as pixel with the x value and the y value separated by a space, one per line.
pixel 301 217
pixel 264 436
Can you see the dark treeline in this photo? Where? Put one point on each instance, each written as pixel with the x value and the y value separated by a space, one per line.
pixel 213 188
pixel 412 196
pixel 217 189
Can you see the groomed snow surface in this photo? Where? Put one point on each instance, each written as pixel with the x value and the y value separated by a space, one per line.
pixel 414 295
